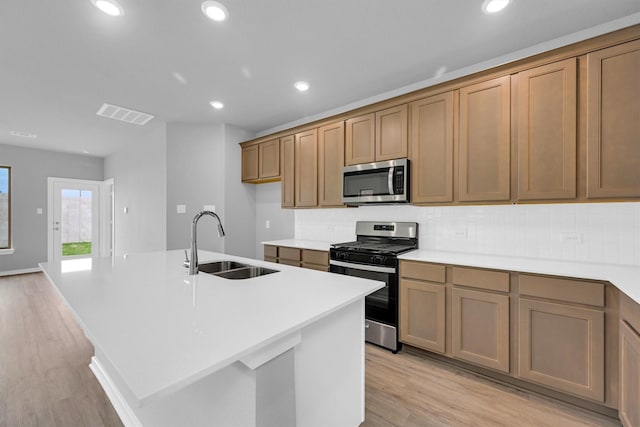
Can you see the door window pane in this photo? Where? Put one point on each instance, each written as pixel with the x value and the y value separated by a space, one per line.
pixel 76 222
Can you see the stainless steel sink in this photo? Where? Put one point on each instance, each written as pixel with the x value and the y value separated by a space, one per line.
pixel 233 270
pixel 245 273
pixel 218 266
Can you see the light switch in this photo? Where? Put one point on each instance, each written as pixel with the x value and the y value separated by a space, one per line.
pixel 181 209
pixel 126 210
pixel 211 208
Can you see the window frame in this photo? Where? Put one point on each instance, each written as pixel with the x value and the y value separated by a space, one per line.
pixel 9 247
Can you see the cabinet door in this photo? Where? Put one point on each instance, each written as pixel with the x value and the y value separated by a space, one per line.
pixel 287 153
pixel 391 133
pixel 360 140
pixel 480 327
pixel 484 140
pixel 250 163
pixel 330 164
pixel 547 132
pixel 629 376
pixel 269 155
pixel 306 165
pixel 422 314
pixel 613 117
pixel 432 149
pixel 562 346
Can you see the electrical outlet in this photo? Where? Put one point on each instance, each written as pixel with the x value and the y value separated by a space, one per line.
pixel 211 208
pixel 181 209
pixel 571 237
pixel 267 224
pixel 460 233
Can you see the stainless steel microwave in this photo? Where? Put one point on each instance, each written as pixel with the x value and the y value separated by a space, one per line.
pixel 379 182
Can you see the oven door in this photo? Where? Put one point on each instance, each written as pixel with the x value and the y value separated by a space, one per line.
pixel 382 305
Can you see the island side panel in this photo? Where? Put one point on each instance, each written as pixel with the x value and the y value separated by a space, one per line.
pixel 329 370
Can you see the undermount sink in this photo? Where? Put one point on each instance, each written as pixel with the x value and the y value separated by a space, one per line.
pixel 246 272
pixel 233 270
pixel 218 266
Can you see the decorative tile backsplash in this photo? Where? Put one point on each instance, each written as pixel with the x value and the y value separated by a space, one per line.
pixel 589 232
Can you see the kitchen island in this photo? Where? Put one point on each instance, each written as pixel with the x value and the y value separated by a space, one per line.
pixel 171 349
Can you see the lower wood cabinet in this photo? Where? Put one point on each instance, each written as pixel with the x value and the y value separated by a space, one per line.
pixel 629 376
pixel 422 314
pixel 562 346
pixel 306 258
pixel 480 328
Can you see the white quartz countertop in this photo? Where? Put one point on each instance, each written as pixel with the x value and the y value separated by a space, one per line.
pixel 162 329
pixel 625 278
pixel 316 245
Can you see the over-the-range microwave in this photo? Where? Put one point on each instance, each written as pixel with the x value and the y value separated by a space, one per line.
pixel 379 182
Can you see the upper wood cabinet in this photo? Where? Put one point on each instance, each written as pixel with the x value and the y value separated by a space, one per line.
pixel 306 168
pixel 484 141
pixel 391 133
pixel 287 155
pixel 261 162
pixel 360 139
pixel 432 149
pixel 330 164
pixel 250 163
pixel 613 117
pixel 547 132
pixel 382 135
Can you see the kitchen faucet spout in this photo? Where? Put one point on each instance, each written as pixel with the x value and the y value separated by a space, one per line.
pixel 193 261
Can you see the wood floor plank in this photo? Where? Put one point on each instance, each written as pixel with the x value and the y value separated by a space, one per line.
pixel 45 379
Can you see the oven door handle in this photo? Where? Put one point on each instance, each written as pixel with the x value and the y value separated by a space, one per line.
pixel 365 267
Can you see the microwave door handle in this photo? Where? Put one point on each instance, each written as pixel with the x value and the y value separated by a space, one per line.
pixel 390 180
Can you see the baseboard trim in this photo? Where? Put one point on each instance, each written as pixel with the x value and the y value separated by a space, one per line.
pixel 23 271
pixel 118 401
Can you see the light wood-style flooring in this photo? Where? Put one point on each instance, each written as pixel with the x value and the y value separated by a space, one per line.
pixel 45 379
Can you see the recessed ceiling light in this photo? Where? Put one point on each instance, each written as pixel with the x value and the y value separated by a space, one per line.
pixel 493 6
pixel 214 10
pixel 302 86
pixel 23 134
pixel 216 104
pixel 110 7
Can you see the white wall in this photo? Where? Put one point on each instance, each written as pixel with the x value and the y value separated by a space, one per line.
pixel 281 221
pixel 139 174
pixel 586 232
pixel 195 177
pixel 239 199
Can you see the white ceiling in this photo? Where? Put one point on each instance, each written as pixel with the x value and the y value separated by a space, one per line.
pixel 61 60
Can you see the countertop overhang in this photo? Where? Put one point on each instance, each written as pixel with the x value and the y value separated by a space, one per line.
pixel 162 329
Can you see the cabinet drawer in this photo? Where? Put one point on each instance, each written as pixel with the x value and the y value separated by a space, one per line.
pixel 292 254
pixel 289 262
pixel 270 251
pixel 568 290
pixel 422 271
pixel 482 279
pixel 315 257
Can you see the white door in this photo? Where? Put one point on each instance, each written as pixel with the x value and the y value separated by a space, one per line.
pixel 74 219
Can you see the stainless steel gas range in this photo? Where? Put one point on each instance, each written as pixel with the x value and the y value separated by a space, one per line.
pixel 374 255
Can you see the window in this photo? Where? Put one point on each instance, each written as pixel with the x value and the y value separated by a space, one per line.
pixel 5 207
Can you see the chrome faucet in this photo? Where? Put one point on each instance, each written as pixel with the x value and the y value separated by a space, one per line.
pixel 193 262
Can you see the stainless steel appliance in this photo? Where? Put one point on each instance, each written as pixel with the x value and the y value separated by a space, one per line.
pixel 374 256
pixel 380 182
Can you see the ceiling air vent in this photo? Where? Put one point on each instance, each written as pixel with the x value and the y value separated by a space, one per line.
pixel 124 114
